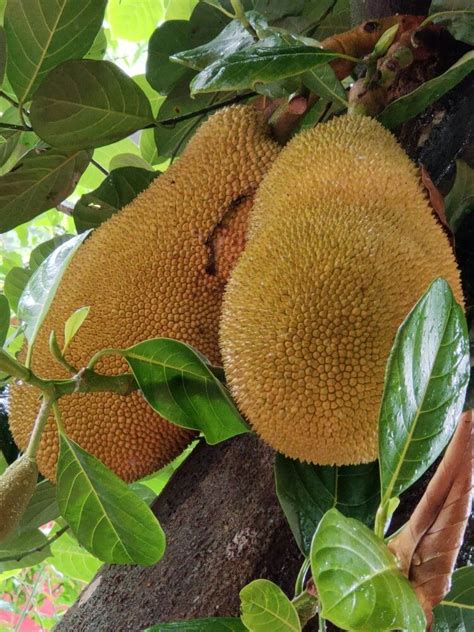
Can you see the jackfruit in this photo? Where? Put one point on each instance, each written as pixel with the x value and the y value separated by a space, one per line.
pixel 342 243
pixel 157 268
pixel 17 484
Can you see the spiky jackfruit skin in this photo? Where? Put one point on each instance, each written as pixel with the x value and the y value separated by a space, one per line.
pixel 342 245
pixel 17 485
pixel 157 268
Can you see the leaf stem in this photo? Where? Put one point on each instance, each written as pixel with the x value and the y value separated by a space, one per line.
pixel 300 580
pixel 240 15
pixel 209 108
pixel 19 128
pixel 321 624
pixel 5 96
pixel 221 9
pixel 99 167
pixel 100 354
pixel 381 519
pixel 435 16
pixel 40 547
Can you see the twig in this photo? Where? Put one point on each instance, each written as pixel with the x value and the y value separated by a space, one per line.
pixel 19 128
pixel 5 96
pixel 209 108
pixel 27 605
pixel 99 167
pixel 36 549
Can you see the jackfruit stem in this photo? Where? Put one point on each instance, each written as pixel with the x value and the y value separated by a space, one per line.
pixel 40 422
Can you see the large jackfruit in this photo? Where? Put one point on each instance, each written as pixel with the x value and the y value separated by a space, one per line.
pixel 342 244
pixel 157 268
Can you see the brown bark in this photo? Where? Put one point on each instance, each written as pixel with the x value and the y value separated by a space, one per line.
pixel 224 528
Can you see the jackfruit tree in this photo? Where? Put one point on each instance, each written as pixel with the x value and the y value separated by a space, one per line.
pixel 268 295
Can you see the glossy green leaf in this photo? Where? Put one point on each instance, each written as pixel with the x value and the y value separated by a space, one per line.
pixel 15 282
pixel 244 69
pixel 71 559
pixel 42 507
pixel 41 287
pixel 107 518
pixel 20 543
pixel 104 103
pixel 169 38
pixel 460 200
pixel 40 182
pixel 265 607
pixel 73 324
pixel 413 103
pixel 4 318
pixel 425 386
pixel 143 492
pixel 307 491
pixel 134 21
pixel 180 386
pixel 3 54
pixel 358 581
pixel 456 612
pixel 118 189
pixel 457 16
pixel 41 34
pixel 232 38
pixel 44 249
pixel 322 81
pixel 213 624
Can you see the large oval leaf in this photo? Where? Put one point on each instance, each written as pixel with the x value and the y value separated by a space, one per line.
pixel 358 582
pixel 266 607
pixel 457 16
pixel 413 103
pixel 41 34
pixel 107 518
pixel 87 103
pixel 213 624
pixel 181 387
pixel 69 558
pixel 42 507
pixel 425 386
pixel 41 287
pixel 307 491
pixel 456 612
pixel 259 64
pixel 40 182
pixel 17 547
pixel 119 188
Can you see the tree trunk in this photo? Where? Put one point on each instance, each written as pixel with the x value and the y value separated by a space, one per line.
pixel 224 527
pixel 220 513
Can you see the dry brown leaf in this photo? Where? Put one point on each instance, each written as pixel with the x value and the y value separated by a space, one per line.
pixel 428 544
pixel 435 198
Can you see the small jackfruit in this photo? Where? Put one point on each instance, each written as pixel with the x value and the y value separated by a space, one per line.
pixel 17 484
pixel 157 268
pixel 342 244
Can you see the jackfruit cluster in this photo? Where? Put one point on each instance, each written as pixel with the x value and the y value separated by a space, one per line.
pixel 342 243
pixel 157 268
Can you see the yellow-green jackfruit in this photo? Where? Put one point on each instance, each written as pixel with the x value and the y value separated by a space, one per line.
pixel 342 244
pixel 17 485
pixel 157 268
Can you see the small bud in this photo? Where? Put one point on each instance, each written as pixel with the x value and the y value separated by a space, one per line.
pixel 17 485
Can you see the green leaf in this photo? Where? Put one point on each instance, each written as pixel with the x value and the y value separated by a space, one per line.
pixel 232 38
pixel 134 21
pixel 40 182
pixel 457 16
pixel 408 106
pixel 180 386
pixel 245 69
pixel 358 581
pixel 266 607
pixel 460 200
pixel 143 492
pixel 18 544
pixel 73 324
pixel 104 103
pixel 71 559
pixel 307 491
pixel 425 386
pixel 4 318
pixel 276 9
pixel 99 47
pixel 107 518
pixel 41 34
pixel 41 509
pixel 213 624
pixel 456 612
pixel 170 37
pixel 41 287
pixel 3 54
pixel 323 82
pixel 14 284
pixel 332 16
pixel 118 189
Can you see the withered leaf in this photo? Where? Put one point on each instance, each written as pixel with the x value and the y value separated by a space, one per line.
pixel 435 198
pixel 428 544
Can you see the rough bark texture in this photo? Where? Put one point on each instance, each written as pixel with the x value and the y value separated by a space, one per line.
pixel 220 513
pixel 224 528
